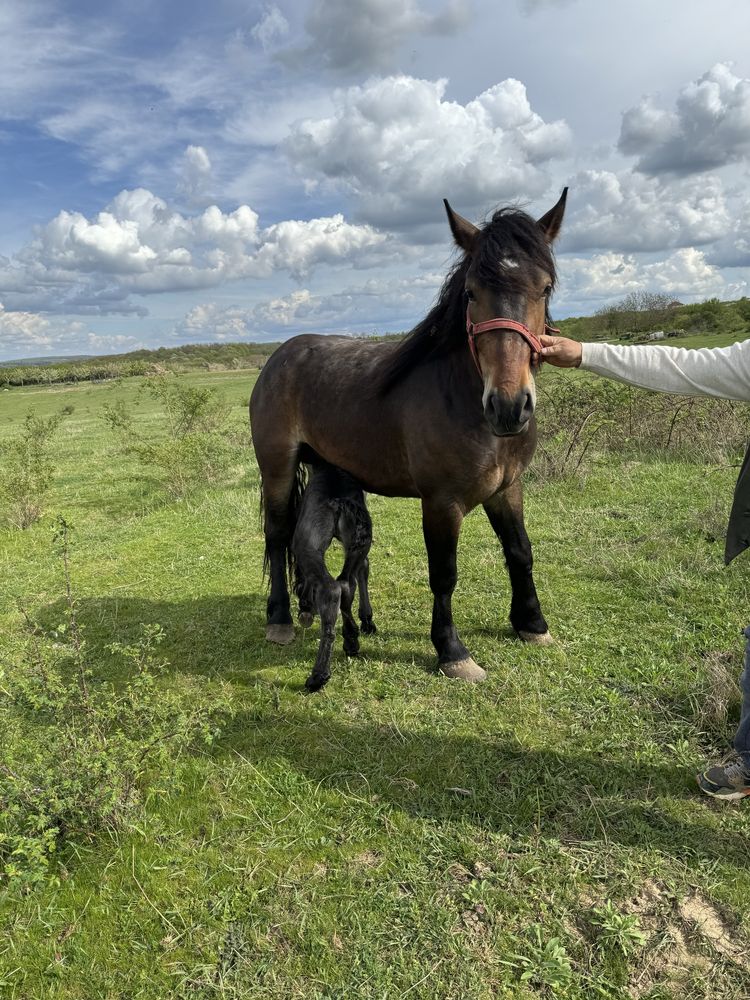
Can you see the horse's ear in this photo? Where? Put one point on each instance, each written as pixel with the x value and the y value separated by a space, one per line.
pixel 552 221
pixel 464 232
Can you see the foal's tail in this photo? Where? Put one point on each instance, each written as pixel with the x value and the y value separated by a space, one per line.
pixel 299 485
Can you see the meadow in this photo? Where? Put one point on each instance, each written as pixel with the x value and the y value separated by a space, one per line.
pixel 398 834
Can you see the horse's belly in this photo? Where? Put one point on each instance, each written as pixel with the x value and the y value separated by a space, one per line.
pixel 376 468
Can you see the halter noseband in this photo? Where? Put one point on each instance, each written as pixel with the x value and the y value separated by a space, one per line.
pixel 499 323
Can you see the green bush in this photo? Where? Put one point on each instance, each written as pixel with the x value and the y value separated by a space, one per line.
pixel 580 417
pixel 28 469
pixel 192 445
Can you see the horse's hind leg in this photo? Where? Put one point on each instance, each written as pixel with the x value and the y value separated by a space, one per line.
pixel 328 598
pixel 278 485
pixel 367 625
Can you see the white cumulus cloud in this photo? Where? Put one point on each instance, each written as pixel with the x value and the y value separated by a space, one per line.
pixel 398 147
pixel 376 305
pixel 684 274
pixel 630 211
pixel 708 127
pixel 138 245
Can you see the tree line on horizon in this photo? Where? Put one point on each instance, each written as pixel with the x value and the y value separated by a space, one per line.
pixel 633 318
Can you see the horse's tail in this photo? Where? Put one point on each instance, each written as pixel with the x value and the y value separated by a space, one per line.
pixel 299 485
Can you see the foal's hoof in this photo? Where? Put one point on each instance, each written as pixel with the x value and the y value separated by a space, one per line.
pixel 367 626
pixel 305 619
pixel 282 635
pixel 316 683
pixel 464 670
pixel 536 638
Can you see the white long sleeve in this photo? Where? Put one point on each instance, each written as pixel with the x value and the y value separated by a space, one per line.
pixel 708 371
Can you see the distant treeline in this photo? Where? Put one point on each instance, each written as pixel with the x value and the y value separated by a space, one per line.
pixel 634 318
pixel 642 313
pixel 190 357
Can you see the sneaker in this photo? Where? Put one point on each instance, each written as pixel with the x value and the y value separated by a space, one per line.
pixel 730 781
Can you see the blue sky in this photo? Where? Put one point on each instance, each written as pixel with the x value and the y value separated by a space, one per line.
pixel 187 172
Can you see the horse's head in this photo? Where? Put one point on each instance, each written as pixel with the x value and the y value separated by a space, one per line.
pixel 509 275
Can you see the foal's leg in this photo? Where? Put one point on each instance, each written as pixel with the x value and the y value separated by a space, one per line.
pixel 505 511
pixel 441 524
pixel 365 608
pixel 348 583
pixel 328 598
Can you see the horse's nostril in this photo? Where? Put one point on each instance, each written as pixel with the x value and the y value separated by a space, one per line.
pixel 528 406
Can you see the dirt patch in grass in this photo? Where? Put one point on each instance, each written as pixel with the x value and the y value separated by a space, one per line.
pixel 684 938
pixel 704 920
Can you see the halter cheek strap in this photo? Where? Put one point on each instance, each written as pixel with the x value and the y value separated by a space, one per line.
pixel 499 323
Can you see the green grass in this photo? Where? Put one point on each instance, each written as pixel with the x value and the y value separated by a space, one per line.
pixel 398 834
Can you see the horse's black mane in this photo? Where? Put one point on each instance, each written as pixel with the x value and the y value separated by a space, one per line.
pixel 510 233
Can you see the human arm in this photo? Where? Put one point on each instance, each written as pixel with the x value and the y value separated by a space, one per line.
pixel 709 371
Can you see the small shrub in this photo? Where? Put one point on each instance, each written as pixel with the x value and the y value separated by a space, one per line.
pixel 192 447
pixel 582 417
pixel 28 469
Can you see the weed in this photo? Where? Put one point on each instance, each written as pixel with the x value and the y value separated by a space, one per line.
pixel 544 963
pixel 616 930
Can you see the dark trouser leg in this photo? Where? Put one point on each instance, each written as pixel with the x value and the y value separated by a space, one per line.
pixel 441 524
pixel 505 512
pixel 742 736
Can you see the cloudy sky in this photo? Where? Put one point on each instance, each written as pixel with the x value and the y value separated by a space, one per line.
pixel 180 172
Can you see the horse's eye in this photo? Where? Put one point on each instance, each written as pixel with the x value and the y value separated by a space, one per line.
pixel 547 291
pixel 469 294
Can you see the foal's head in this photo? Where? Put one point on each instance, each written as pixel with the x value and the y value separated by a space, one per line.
pixel 509 277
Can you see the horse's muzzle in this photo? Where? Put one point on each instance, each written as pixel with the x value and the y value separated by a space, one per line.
pixel 509 416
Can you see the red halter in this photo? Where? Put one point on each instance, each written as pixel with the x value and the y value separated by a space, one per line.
pixel 499 323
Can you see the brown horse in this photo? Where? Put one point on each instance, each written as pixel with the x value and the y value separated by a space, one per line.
pixel 442 415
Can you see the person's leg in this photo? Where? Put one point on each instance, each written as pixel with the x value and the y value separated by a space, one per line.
pixel 742 736
pixel 732 781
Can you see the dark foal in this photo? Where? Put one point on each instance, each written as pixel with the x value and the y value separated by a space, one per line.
pixel 333 506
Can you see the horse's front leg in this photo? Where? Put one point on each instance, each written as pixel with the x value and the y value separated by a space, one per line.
pixel 441 524
pixel 505 511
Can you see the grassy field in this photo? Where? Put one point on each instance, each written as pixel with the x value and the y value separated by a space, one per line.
pixel 398 835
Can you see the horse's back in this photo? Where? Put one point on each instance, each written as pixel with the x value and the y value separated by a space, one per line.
pixel 323 392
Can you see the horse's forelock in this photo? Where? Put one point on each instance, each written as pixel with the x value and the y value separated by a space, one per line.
pixel 510 249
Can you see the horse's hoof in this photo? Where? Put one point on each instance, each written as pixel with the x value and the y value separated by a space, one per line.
pixel 367 626
pixel 305 619
pixel 315 683
pixel 282 635
pixel 536 638
pixel 464 670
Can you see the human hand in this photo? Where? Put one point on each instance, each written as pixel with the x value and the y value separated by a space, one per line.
pixel 560 351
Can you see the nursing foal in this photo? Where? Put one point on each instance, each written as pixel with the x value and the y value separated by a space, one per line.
pixel 333 506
